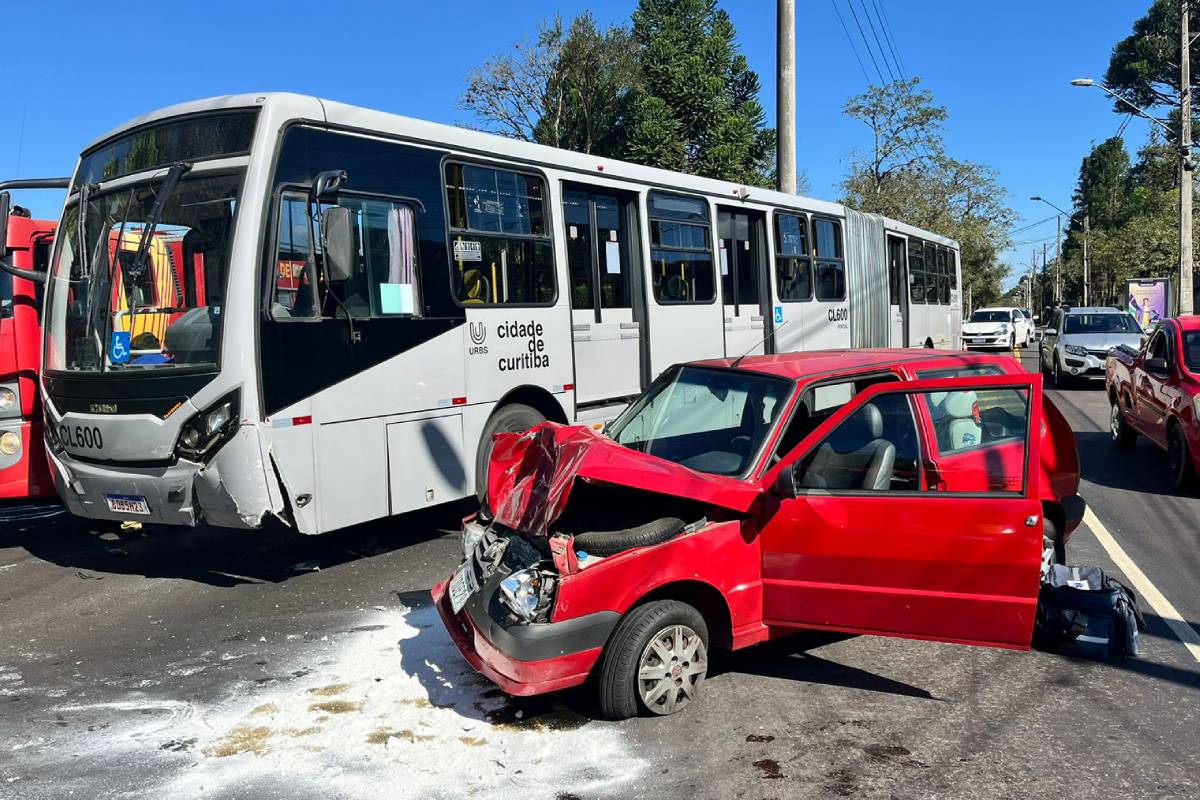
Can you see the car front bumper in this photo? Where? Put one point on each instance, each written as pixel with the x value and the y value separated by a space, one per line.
pixel 1077 366
pixel 525 659
pixel 996 341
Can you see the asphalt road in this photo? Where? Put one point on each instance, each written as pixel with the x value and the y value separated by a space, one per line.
pixel 204 664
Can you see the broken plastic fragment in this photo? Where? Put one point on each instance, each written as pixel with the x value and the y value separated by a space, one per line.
pixel 306 566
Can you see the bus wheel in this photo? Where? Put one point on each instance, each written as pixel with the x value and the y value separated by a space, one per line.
pixel 512 418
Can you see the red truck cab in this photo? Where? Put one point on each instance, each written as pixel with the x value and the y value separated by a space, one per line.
pixel 866 491
pixel 24 471
pixel 1155 392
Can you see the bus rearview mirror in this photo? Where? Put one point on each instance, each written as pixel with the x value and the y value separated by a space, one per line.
pixel 336 242
pixel 5 206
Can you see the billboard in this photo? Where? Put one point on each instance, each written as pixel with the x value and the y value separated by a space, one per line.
pixel 1148 300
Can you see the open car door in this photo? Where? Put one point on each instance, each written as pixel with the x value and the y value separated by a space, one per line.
pixel 910 512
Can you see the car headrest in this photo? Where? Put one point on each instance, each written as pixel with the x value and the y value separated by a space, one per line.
pixel 959 405
pixel 872 419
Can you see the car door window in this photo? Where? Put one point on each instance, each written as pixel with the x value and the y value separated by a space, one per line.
pixel 979 440
pixel 820 402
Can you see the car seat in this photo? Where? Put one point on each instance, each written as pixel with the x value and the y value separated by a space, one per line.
pixel 843 463
pixel 958 412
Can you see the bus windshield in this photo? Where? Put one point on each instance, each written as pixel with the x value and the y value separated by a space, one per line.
pixel 125 301
pixel 711 420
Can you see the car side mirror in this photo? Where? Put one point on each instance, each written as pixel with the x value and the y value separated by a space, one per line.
pixel 337 242
pixel 785 484
pixel 1158 365
pixel 1049 332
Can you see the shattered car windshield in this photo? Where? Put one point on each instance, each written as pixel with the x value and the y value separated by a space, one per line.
pixel 710 420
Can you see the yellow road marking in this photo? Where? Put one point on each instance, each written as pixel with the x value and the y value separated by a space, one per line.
pixel 1161 605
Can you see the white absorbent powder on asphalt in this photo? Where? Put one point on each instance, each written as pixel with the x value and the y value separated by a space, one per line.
pixel 388 709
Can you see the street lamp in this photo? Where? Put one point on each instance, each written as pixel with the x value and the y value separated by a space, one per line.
pixel 1057 247
pixel 1185 170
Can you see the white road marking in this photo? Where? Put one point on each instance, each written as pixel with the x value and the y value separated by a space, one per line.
pixel 1161 605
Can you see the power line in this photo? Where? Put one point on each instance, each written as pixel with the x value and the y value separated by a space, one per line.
pixel 891 40
pixel 875 36
pixel 850 39
pixel 1032 225
pixel 866 44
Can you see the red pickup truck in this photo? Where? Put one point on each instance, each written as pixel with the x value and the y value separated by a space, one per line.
pixel 1155 392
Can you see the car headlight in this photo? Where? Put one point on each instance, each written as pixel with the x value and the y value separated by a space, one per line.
pixel 203 434
pixel 527 593
pixel 8 399
pixel 472 533
pixel 10 443
pixel 1075 349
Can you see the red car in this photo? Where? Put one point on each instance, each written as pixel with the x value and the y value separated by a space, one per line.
pixel 1155 391
pixel 892 492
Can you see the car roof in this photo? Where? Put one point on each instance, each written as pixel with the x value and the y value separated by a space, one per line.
pixel 817 363
pixel 1095 310
pixel 1188 323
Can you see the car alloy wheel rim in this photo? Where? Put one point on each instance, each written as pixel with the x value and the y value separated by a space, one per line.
pixel 671 669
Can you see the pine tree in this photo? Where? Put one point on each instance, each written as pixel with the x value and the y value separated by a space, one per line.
pixel 696 108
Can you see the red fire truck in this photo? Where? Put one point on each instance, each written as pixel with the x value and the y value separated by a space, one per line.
pixel 25 246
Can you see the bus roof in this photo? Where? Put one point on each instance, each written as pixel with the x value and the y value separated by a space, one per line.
pixel 303 107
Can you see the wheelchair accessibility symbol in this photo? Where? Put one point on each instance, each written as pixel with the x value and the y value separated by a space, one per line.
pixel 778 315
pixel 118 351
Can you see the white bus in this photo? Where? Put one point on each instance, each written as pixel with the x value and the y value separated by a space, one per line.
pixel 356 301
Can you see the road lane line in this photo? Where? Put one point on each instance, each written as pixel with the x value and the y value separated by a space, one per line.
pixel 1161 605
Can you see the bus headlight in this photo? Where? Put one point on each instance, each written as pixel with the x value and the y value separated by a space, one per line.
pixel 203 434
pixel 8 399
pixel 10 443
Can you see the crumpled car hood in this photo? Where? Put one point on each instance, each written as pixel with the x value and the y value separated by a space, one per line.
pixel 531 475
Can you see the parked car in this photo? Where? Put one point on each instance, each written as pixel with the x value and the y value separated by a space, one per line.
pixel 1077 340
pixel 1155 392
pixel 1005 328
pixel 737 500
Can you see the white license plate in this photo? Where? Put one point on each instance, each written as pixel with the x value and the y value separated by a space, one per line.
pixel 462 586
pixel 127 504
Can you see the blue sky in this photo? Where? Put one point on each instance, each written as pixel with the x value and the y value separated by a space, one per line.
pixel 1002 70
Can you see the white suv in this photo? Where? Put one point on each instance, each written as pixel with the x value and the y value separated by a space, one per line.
pixel 1004 328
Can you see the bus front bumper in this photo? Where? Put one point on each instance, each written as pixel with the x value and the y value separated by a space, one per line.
pixel 182 493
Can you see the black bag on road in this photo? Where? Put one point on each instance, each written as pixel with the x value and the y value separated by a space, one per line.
pixel 1083 612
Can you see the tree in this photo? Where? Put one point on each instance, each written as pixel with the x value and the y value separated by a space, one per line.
pixel 566 89
pixel 1104 183
pixel 696 109
pixel 1144 66
pixel 907 175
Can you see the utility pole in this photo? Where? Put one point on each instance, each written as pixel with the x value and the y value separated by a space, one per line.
pixel 1087 229
pixel 1032 272
pixel 785 96
pixel 1043 292
pixel 1058 263
pixel 1185 163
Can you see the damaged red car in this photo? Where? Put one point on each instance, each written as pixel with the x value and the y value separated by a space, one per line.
pixel 883 492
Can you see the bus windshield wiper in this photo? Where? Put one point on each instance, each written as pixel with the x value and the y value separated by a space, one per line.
pixel 138 266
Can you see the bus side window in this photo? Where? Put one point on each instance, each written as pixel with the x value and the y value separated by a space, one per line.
pixel 501 252
pixel 681 258
pixel 793 261
pixel 916 270
pixel 831 268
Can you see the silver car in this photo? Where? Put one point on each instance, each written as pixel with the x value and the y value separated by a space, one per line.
pixel 1077 340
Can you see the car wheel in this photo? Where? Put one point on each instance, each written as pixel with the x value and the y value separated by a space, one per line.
pixel 655 662
pixel 1123 436
pixel 1012 341
pixel 1056 378
pixel 1042 362
pixel 512 418
pixel 1179 459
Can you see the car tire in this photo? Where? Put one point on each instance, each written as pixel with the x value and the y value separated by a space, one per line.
pixel 1123 435
pixel 609 543
pixel 1179 459
pixel 512 418
pixel 1042 362
pixel 1012 342
pixel 631 653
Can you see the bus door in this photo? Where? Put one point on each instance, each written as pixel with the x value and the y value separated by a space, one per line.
pixel 741 254
pixel 683 313
pixel 607 295
pixel 897 291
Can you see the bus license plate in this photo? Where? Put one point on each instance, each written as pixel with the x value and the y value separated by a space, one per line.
pixel 127 504
pixel 462 586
